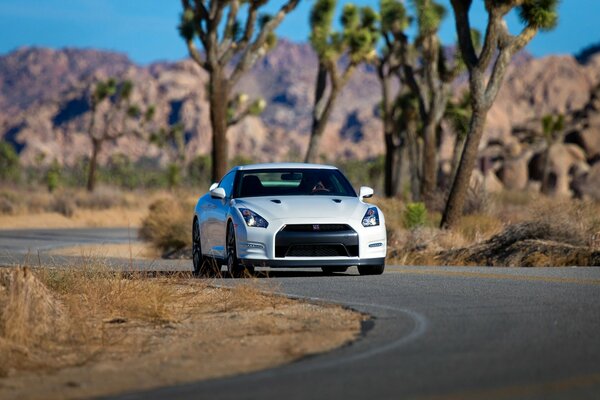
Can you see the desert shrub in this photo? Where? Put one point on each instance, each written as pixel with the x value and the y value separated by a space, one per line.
pixel 573 221
pixel 8 202
pixel 53 177
pixel 476 227
pixel 168 225
pixel 10 169
pixel 364 172
pixel 101 199
pixel 477 201
pixel 173 175
pixel 6 206
pixel 120 171
pixel 415 215
pixel 198 170
pixel 64 204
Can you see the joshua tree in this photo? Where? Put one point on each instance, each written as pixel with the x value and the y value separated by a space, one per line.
pixel 339 53
pixel 393 20
pixel 499 46
pixel 429 74
pixel 552 130
pixel 424 68
pixel 458 113
pixel 231 47
pixel 120 117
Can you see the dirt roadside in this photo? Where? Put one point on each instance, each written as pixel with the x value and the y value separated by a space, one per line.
pixel 80 219
pixel 58 341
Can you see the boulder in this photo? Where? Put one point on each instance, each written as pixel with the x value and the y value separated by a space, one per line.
pixel 564 160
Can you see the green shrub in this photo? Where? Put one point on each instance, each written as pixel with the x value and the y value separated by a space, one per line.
pixel 415 215
pixel 10 169
pixel 173 175
pixel 53 177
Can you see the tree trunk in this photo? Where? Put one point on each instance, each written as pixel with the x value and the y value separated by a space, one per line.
pixel 460 186
pixel 393 165
pixel 320 115
pixel 459 146
pixel 546 172
pixel 429 158
pixel 414 152
pixel 218 98
pixel 91 181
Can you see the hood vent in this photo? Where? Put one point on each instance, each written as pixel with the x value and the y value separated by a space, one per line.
pixel 276 201
pixel 337 200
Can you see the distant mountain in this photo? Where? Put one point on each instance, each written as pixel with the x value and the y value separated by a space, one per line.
pixel 43 110
pixel 586 54
pixel 36 75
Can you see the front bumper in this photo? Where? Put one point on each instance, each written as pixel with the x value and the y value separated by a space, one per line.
pixel 268 247
pixel 311 263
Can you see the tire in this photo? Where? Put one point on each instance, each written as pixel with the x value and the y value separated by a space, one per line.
pixel 371 269
pixel 234 267
pixel 203 266
pixel 333 270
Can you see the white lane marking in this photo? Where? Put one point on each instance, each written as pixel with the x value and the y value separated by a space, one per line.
pixel 420 327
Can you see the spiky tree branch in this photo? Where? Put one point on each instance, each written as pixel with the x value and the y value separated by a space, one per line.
pixel 228 52
pixel 499 46
pixel 339 54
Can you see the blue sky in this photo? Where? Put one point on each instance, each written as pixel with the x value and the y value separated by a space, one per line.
pixel 145 29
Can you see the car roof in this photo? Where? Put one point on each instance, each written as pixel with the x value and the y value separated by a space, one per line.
pixel 283 165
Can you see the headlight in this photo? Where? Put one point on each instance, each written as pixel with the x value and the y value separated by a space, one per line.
pixel 371 217
pixel 253 219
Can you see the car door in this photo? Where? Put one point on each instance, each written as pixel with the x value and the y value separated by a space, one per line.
pixel 216 217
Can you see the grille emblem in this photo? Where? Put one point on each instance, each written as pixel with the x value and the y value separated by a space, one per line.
pixel 316 227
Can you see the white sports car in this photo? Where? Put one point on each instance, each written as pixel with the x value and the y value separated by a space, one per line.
pixel 287 215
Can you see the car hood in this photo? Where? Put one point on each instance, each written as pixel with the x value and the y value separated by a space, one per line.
pixel 308 207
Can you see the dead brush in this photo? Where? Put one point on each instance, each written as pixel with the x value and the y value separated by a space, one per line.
pixel 109 293
pixel 249 295
pixel 168 225
pixel 103 198
pixel 30 312
pixel 56 317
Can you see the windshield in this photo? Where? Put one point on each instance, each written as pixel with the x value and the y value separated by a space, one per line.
pixel 292 182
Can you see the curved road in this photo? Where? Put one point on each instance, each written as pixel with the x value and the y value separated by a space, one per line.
pixel 436 333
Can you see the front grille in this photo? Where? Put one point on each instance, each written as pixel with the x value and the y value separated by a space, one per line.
pixel 317 227
pixel 316 250
pixel 319 250
pixel 316 240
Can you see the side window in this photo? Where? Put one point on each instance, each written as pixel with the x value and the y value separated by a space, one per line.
pixel 227 183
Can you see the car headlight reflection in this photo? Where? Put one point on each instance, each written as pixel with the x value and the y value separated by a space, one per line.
pixel 253 219
pixel 371 217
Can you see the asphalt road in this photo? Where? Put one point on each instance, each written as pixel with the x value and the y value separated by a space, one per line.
pixel 439 333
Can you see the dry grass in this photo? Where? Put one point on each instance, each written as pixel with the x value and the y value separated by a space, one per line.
pixel 129 251
pixel 85 326
pixel 168 225
pixel 569 222
pixel 69 208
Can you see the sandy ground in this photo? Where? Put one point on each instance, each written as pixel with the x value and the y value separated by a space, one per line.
pixel 213 332
pixel 114 217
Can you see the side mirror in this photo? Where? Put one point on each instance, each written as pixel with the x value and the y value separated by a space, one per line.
pixel 218 193
pixel 365 192
pixel 213 187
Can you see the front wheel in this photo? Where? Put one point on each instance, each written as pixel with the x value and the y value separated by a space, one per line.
pixel 197 257
pixel 203 266
pixel 371 269
pixel 235 268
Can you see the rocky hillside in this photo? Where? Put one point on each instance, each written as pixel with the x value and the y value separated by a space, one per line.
pixel 43 109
